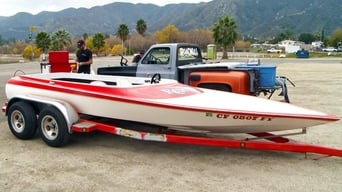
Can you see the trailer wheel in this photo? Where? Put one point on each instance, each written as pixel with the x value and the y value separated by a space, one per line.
pixel 22 120
pixel 53 128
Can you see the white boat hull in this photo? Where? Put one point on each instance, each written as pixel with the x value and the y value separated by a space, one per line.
pixel 177 106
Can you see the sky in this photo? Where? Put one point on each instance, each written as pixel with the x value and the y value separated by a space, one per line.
pixel 11 7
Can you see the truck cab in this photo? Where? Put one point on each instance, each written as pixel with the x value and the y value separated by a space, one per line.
pixel 166 58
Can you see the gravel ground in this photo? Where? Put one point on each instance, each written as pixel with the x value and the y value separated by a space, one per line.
pixel 104 162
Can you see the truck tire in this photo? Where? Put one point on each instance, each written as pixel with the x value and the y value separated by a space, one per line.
pixel 53 128
pixel 22 120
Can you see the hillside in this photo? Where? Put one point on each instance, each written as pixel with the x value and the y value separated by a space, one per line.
pixel 254 17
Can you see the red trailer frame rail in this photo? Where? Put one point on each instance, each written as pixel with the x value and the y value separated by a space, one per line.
pixel 274 143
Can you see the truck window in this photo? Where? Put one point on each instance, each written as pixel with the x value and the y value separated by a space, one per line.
pixel 160 55
pixel 187 55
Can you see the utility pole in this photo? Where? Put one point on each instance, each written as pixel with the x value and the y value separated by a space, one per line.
pixel 31 29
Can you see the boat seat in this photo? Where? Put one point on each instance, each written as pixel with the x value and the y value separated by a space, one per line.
pixel 97 83
pixel 123 82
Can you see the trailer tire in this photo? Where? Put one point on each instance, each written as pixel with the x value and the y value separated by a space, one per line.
pixel 22 120
pixel 53 127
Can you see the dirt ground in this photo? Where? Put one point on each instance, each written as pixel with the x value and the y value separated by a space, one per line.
pixel 104 162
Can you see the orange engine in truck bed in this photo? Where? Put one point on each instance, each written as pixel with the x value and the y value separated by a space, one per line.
pixel 232 81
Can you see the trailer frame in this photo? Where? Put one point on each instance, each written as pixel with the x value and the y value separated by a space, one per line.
pixel 261 141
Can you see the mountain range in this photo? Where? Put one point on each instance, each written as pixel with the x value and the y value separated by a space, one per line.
pixel 255 18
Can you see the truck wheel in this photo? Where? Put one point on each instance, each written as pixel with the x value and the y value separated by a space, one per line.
pixel 53 128
pixel 22 120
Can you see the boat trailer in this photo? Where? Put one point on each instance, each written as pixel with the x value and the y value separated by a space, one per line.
pixel 147 132
pixel 70 121
pixel 260 141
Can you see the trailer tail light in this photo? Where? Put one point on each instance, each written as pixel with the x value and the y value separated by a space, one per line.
pixel 4 107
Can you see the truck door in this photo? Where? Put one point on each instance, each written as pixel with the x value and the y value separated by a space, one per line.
pixel 157 60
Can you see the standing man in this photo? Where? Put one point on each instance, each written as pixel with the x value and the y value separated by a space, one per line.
pixel 84 58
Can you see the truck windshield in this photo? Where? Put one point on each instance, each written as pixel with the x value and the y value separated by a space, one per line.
pixel 160 55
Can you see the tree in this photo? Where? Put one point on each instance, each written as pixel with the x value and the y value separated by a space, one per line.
pixel 18 47
pixel 123 33
pixel 60 40
pixel 98 42
pixel 202 37
pixel 336 38
pixel 43 41
pixel 106 50
pixel 278 38
pixel 89 43
pixel 306 38
pixel 1 41
pixel 106 36
pixel 242 45
pixel 138 42
pixel 168 34
pixel 225 33
pixel 287 34
pixel 85 36
pixel 141 27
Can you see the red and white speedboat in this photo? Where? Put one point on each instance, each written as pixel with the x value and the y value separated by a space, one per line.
pixel 166 103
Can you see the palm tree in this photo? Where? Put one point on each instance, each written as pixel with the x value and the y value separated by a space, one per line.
pixel 98 42
pixel 141 27
pixel 85 36
pixel 122 33
pixel 225 33
pixel 60 40
pixel 43 41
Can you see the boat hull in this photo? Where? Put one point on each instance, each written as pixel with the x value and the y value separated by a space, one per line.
pixel 172 105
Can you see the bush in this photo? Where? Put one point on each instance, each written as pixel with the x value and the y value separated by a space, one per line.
pixel 29 54
pixel 117 49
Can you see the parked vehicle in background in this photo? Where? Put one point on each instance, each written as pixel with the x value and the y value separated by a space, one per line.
pixel 329 49
pixel 273 50
pixel 302 53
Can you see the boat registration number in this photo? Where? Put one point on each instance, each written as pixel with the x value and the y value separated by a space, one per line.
pixel 240 117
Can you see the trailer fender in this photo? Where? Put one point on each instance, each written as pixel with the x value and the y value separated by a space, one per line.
pixel 70 114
